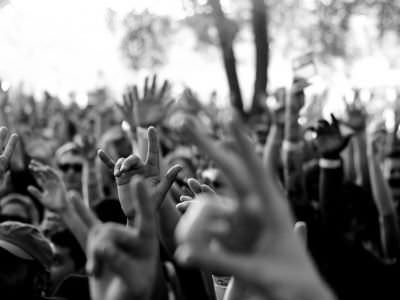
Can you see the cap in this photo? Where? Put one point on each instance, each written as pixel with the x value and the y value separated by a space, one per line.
pixel 25 201
pixel 26 242
pixel 70 147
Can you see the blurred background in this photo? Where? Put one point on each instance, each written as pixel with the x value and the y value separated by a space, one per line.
pixel 71 47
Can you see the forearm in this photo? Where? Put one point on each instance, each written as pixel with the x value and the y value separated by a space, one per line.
pixel 388 221
pixel 293 174
pixel 348 163
pixel 380 188
pixel 293 158
pixel 272 147
pixel 390 236
pixel 91 187
pixel 330 189
pixel 361 161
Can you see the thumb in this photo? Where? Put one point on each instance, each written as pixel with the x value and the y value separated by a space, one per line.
pixel 106 159
pixel 35 192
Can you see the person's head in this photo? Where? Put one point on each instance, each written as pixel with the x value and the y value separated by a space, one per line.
pixel 70 162
pixel 391 172
pixel 20 206
pixel 68 256
pixel 25 259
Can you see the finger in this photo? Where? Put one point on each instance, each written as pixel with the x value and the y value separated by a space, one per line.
pixel 135 94
pixel 335 122
pixel 3 136
pixel 35 192
pixel 167 182
pixel 10 146
pixel 36 163
pixel 127 104
pixel 146 86
pixel 163 90
pixel 131 162
pixel 106 159
pixel 153 152
pixel 39 176
pixel 117 167
pixel 185 198
pixel 300 229
pixel 207 189
pixel 194 185
pixel 183 206
pixel 84 213
pixel 154 85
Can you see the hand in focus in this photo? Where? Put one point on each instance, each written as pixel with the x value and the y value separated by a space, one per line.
pixel 54 194
pixel 149 109
pixel 7 144
pixel 125 168
pixel 272 259
pixel 122 260
pixel 329 140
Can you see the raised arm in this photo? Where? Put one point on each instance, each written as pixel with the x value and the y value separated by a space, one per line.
pixel 292 148
pixel 330 143
pixel 388 220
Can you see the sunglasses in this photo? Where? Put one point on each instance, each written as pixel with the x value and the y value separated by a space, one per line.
pixel 77 168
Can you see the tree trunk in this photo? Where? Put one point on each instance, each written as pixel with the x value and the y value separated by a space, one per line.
pixel 260 31
pixel 226 40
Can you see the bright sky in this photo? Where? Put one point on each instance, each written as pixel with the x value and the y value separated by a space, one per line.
pixel 64 45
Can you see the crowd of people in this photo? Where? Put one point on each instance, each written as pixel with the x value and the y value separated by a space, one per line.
pixel 152 198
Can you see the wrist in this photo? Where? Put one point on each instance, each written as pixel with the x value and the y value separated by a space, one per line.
pixel 330 163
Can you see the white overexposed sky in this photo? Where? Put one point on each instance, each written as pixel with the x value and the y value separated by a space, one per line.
pixel 65 45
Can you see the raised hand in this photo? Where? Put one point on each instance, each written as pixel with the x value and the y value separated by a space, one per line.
pixel 88 144
pixel 150 169
pixel 54 194
pixel 273 260
pixel 123 261
pixel 356 115
pixel 191 102
pixel 8 144
pixel 329 140
pixel 197 189
pixel 150 109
